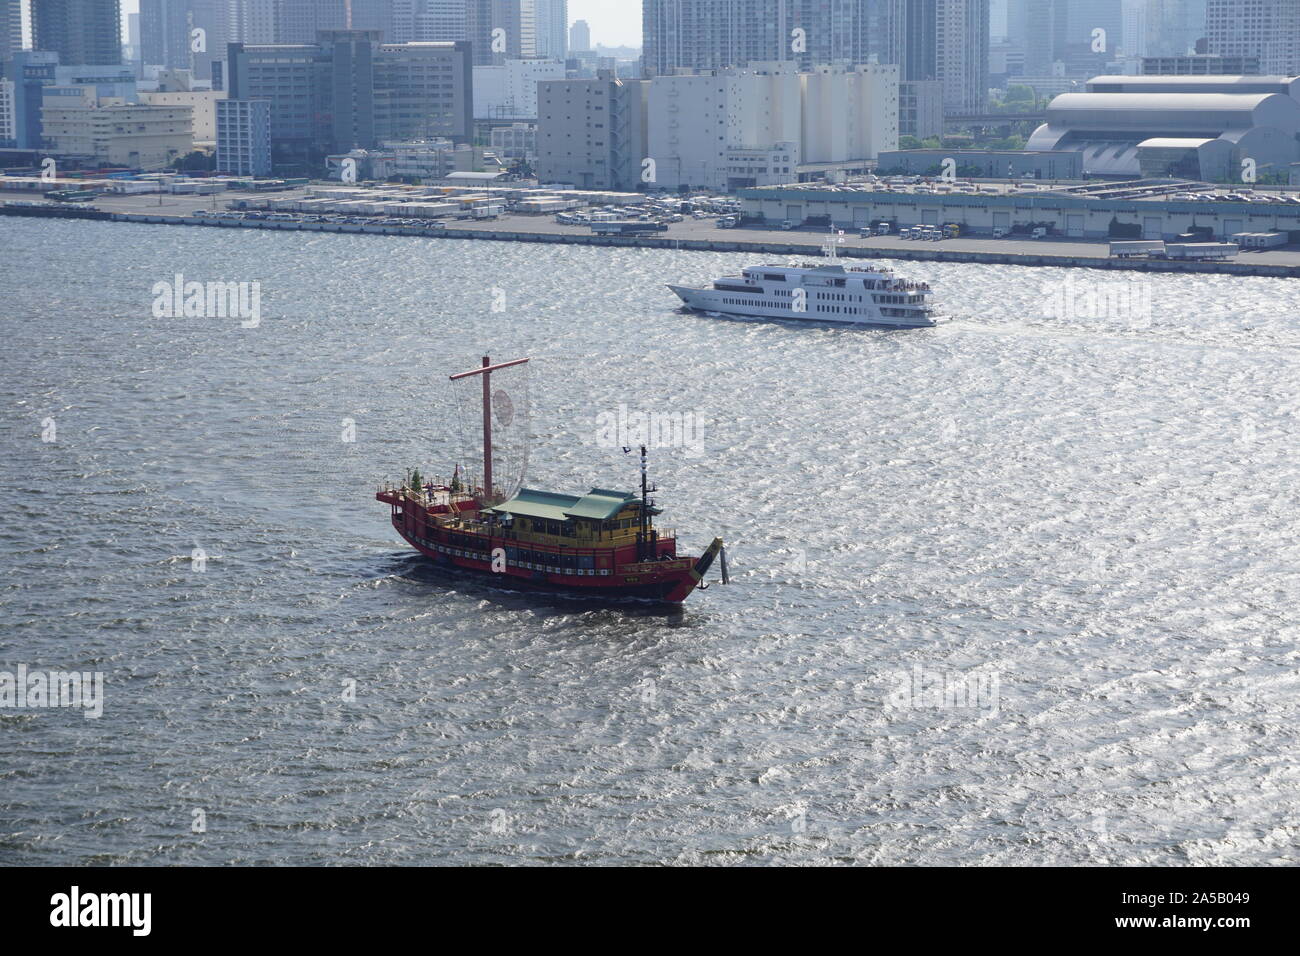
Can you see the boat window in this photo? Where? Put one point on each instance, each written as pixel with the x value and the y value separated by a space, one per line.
pixel 773 277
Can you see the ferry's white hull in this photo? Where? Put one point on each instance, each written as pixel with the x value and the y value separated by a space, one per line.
pixel 722 303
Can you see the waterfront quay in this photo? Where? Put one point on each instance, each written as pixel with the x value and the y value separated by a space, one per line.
pixel 698 234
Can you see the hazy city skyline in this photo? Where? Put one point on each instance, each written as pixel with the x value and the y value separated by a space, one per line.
pixel 612 23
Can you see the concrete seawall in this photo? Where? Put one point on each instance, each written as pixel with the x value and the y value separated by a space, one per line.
pixel 921 253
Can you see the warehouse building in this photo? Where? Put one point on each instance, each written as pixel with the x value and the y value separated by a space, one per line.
pixel 1198 127
pixel 984 163
pixel 1142 210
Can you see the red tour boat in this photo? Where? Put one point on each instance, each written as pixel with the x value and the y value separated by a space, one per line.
pixel 602 543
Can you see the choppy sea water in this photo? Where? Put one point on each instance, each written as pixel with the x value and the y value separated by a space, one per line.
pixel 1083 528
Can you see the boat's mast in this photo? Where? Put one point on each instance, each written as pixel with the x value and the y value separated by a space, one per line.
pixel 486 371
pixel 644 532
pixel 487 430
pixel 641 530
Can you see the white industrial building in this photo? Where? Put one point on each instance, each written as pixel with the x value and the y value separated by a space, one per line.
pixel 694 121
pixel 757 125
pixel 849 113
pixel 509 90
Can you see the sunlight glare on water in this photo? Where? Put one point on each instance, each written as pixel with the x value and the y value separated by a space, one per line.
pixel 1094 516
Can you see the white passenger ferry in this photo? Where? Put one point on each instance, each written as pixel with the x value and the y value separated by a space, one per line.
pixel 825 291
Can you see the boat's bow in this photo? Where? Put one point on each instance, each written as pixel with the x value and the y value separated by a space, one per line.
pixel 683 292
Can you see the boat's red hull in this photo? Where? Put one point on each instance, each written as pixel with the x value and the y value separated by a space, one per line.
pixel 669 578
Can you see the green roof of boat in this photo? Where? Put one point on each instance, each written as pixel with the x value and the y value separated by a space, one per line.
pixel 599 504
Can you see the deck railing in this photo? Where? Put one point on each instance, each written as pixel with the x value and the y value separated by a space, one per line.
pixel 645 567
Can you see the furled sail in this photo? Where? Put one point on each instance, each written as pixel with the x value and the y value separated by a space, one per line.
pixel 493 418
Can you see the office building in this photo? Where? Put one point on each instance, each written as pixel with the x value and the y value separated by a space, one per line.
pixel 79 31
pixel 962 54
pixel 11 27
pixel 8 115
pixel 251 21
pixel 292 80
pixel 592 132
pixel 1174 27
pixel 184 34
pixel 1135 28
pixel 30 71
pixel 714 35
pixel 920 108
pixel 299 21
pixel 104 82
pixel 580 36
pixel 243 137
pixel 77 126
pixel 552 18
pixel 321 94
pixel 349 91
pixel 424 90
pixel 201 103
pixel 1200 64
pixel 1073 38
pixel 516 141
pixel 1267 29
pixel 941 40
pixel 442 21
pixel 501 29
pixel 164 33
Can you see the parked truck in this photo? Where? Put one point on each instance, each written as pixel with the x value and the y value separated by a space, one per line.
pixel 71 195
pixel 627 227
pixel 1133 248
pixel 1260 240
pixel 1201 250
